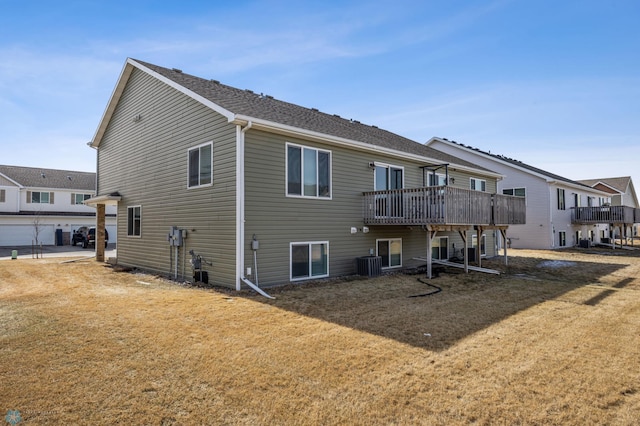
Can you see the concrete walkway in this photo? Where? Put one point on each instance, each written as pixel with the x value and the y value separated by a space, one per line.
pixel 24 252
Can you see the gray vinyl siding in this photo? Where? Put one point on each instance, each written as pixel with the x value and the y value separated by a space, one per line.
pixel 277 220
pixel 146 162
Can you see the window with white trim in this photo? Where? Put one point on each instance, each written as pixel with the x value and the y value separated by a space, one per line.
pixel 79 198
pixel 562 239
pixel 200 165
pixel 561 203
pixel 437 179
pixel 309 260
pixel 390 250
pixel 134 221
pixel 483 243
pixel 516 192
pixel 36 197
pixel 478 184
pixel 308 172
pixel 440 248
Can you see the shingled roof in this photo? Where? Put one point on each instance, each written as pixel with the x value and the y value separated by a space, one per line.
pixel 34 177
pixel 620 184
pixel 517 163
pixel 236 103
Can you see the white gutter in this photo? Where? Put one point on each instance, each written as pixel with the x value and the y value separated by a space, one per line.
pixel 240 186
pixel 323 137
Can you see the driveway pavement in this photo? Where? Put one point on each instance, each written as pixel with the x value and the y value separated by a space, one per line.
pixel 24 252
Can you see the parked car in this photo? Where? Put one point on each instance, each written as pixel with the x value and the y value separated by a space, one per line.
pixel 90 239
pixel 79 235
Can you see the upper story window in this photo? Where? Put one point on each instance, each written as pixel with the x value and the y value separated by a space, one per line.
pixel 308 172
pixel 39 197
pixel 576 200
pixel 436 179
pixel 516 192
pixel 561 203
pixel 201 165
pixel 388 177
pixel 79 198
pixel 478 184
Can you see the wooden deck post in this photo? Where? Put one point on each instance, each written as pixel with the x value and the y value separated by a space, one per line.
pixel 429 262
pixel 463 235
pixel 504 239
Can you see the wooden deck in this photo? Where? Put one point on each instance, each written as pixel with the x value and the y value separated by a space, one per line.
pixel 442 205
pixel 605 215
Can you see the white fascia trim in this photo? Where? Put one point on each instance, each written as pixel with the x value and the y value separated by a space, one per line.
pixel 111 105
pixel 323 137
pixel 585 189
pixel 608 186
pixel 13 181
pixel 489 157
pixel 217 108
pixel 119 89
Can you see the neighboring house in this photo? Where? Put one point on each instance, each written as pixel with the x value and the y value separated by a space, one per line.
pixel 45 205
pixel 267 192
pixel 552 201
pixel 622 192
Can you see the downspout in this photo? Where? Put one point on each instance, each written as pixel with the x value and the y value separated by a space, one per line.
pixel 240 204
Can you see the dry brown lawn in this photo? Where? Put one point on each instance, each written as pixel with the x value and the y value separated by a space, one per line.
pixel 544 343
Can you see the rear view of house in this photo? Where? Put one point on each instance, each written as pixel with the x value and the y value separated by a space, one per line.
pixel 246 188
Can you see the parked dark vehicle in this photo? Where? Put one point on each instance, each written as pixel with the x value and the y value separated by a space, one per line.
pixel 90 239
pixel 79 235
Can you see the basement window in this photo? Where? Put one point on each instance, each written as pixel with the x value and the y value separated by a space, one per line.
pixel 309 260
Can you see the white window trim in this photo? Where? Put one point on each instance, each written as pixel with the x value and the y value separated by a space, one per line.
pixel 389 241
pixel 439 175
pixel 309 243
pixel 471 179
pixel 133 207
pixel 482 237
pixel 388 166
pixel 286 172
pixel 439 239
pixel 198 148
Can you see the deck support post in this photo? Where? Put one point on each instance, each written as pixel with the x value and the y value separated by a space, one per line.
pixel 431 234
pixel 479 231
pixel 465 253
pixel 503 231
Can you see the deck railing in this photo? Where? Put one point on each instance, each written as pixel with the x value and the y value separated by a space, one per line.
pixel 605 214
pixel 442 205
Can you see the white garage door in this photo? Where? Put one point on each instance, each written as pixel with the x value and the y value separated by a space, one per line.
pixel 23 235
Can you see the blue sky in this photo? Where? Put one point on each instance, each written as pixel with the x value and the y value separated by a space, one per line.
pixel 555 84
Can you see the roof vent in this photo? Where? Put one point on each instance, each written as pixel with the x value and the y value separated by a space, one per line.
pixel 336 115
pixel 375 127
pixel 176 70
pixel 315 109
pixel 215 81
pixel 248 91
pixel 269 97
pixel 42 174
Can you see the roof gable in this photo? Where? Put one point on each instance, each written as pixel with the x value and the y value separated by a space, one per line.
pixel 241 106
pixel 31 177
pixel 548 176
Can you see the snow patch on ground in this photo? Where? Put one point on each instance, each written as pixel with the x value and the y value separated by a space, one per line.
pixel 556 264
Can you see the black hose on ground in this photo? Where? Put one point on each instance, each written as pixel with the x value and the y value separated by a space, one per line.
pixel 437 289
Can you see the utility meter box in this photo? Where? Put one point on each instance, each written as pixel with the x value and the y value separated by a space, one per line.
pixel 175 236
